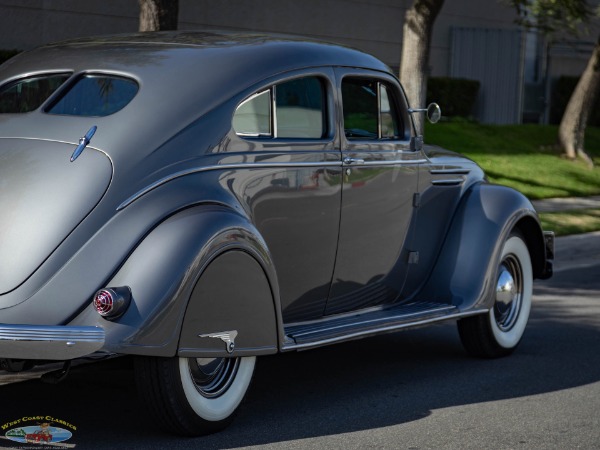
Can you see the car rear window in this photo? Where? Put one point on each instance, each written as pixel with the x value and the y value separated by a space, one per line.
pixel 28 94
pixel 95 95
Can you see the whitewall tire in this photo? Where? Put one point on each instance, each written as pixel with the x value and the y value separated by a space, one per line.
pixel 499 332
pixel 193 396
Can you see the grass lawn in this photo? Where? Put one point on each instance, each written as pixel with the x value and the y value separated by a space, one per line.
pixel 525 157
pixel 522 156
pixel 571 222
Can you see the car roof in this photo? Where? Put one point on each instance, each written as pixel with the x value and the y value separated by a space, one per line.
pixel 259 54
pixel 181 75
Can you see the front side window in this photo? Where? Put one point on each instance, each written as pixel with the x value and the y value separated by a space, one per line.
pixel 293 109
pixel 369 110
pixel 95 95
pixel 28 94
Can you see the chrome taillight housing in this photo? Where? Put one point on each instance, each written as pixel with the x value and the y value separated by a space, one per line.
pixel 112 303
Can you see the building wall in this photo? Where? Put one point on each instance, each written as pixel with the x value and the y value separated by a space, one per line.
pixel 374 26
pixel 25 24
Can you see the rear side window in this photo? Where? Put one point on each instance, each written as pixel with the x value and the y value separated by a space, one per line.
pixel 293 109
pixel 95 95
pixel 28 94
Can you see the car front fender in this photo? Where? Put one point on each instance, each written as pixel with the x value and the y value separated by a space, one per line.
pixel 465 272
pixel 163 272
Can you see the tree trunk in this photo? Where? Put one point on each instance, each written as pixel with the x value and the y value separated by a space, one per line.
pixel 571 132
pixel 157 15
pixel 418 25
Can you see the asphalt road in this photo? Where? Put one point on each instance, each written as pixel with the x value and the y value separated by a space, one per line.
pixel 410 390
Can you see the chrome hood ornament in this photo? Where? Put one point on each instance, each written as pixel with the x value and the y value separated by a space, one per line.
pixel 226 336
pixel 83 142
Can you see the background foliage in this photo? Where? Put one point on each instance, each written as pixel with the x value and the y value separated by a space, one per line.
pixel 457 96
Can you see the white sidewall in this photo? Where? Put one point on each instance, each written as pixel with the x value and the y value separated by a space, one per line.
pixel 215 409
pixel 510 338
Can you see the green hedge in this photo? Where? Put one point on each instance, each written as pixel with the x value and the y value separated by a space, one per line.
pixel 561 93
pixel 7 54
pixel 456 96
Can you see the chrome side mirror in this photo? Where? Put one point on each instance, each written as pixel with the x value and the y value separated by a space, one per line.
pixel 433 111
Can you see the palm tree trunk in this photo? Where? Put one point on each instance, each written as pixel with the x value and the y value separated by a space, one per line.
pixel 418 25
pixel 571 132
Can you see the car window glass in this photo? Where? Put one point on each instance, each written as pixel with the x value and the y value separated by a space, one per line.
pixel 387 114
pixel 299 108
pixel 297 112
pixel 253 116
pixel 28 94
pixel 95 95
pixel 369 110
pixel 359 98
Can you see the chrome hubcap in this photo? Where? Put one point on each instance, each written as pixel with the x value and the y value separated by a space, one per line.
pixel 213 376
pixel 509 293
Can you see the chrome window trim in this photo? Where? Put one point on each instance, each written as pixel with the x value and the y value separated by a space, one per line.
pixel 249 99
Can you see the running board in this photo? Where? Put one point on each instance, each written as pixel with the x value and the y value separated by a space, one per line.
pixel 361 324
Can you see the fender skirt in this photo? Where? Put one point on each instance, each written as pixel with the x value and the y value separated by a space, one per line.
pixel 203 271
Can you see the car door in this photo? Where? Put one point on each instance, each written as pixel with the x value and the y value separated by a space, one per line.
pixel 286 132
pixel 380 174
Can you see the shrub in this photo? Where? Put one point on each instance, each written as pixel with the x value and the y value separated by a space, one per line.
pixel 456 96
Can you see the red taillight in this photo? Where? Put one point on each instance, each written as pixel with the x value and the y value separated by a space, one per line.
pixel 112 302
pixel 104 303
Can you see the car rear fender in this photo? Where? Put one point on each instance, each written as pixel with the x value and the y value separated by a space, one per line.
pixel 199 248
pixel 465 271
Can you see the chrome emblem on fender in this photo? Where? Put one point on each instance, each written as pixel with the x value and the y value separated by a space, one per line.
pixel 226 336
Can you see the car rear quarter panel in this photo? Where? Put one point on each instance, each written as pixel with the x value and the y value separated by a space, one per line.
pixel 163 274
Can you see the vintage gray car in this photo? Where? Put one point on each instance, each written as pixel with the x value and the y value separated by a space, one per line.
pixel 201 199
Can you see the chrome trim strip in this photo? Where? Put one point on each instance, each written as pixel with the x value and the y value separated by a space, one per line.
pixel 450 182
pixel 383 329
pixel 49 342
pixel 276 165
pixel 381 319
pixel 458 171
pixel 402 162
pixel 195 170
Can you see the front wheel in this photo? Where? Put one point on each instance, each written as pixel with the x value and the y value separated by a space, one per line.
pixel 193 396
pixel 499 332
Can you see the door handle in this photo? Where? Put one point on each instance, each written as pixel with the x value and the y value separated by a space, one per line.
pixel 353 161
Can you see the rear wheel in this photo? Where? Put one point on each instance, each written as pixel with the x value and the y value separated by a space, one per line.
pixel 499 332
pixel 193 396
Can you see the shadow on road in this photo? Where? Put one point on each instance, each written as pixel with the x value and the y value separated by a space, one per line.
pixel 369 384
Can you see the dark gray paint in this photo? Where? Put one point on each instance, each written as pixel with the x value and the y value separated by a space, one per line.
pixel 42 198
pixel 185 190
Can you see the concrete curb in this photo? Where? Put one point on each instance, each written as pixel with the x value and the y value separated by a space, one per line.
pixel 566 204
